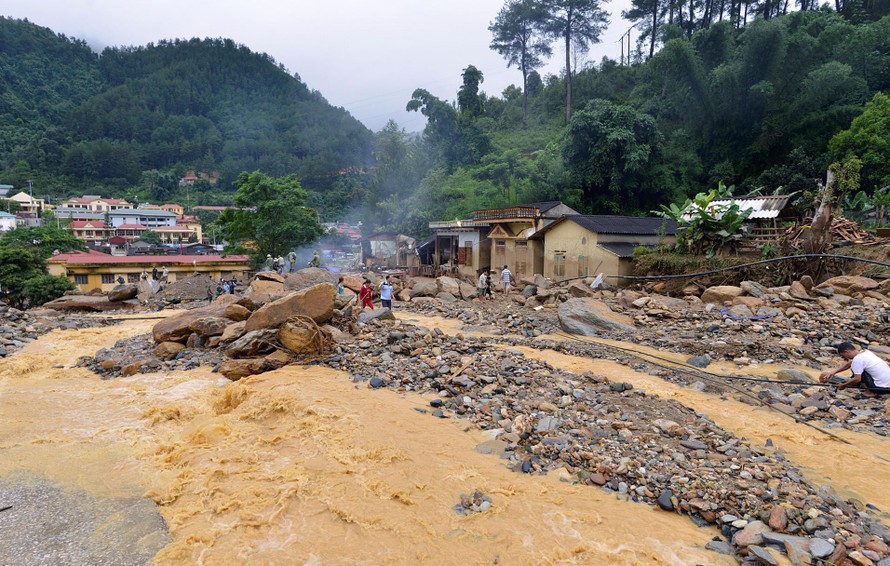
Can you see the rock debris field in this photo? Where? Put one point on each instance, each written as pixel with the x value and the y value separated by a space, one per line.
pixel 476 360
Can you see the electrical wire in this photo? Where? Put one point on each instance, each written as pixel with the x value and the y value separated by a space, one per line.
pixel 711 377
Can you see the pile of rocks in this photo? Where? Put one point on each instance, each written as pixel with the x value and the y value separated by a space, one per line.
pixel 17 327
pixel 593 431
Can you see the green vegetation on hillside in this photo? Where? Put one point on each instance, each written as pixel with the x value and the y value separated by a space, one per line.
pixel 755 106
pixel 132 121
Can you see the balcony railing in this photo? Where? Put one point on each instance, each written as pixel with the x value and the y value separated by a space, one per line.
pixel 517 212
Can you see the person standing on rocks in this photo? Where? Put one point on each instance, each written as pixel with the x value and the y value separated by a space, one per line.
pixel 506 278
pixel 364 295
pixel 869 371
pixel 154 273
pixel 386 293
pixel 482 283
pixel 341 290
pixel 165 274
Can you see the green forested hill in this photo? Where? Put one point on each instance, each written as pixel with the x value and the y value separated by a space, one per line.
pixel 137 117
pixel 755 105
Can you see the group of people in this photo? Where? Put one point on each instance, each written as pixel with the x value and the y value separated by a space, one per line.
pixel 366 293
pixel 155 275
pixel 286 264
pixel 485 283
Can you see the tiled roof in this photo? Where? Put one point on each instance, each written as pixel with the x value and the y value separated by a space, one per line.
pixel 172 229
pixel 132 227
pixel 621 249
pixel 98 224
pixel 635 225
pixel 94 257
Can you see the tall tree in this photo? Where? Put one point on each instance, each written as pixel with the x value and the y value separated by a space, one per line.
pixel 469 100
pixel 578 23
pixel 517 38
pixel 273 214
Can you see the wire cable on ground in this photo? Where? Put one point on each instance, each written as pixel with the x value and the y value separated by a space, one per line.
pixel 731 267
pixel 707 376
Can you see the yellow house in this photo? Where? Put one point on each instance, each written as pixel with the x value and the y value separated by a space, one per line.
pixel 511 232
pixel 174 208
pixel 96 270
pixel 578 246
pixel 94 231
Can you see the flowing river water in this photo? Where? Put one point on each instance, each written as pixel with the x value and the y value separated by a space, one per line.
pixel 302 466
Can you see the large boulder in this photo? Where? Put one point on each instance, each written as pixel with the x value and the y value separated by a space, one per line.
pixel 316 302
pixel 468 291
pixel 208 326
pixel 177 328
pixel 85 303
pixel 148 288
pixel 299 338
pixel 233 332
pixel 424 289
pixel 123 292
pixel 375 314
pixel 254 344
pixel 353 283
pixel 168 350
pixel 239 369
pixel 721 294
pixel 579 289
pixel 237 312
pixel 261 291
pixel 449 285
pixel 590 317
pixel 309 277
pixel 849 284
pixel 270 276
pixel 753 288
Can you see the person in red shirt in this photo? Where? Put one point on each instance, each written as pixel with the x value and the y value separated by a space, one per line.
pixel 364 295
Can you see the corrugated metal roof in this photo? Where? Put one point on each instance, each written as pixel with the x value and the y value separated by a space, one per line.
pixel 761 207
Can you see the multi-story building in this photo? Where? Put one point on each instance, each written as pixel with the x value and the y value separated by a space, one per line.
pixel 95 203
pixel 149 218
pixel 92 231
pixel 7 221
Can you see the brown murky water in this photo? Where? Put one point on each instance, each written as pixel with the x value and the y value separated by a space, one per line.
pixel 302 466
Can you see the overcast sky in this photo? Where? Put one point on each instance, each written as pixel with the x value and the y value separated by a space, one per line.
pixel 365 56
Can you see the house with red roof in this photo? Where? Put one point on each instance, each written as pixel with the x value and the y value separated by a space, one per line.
pixel 96 270
pixel 91 231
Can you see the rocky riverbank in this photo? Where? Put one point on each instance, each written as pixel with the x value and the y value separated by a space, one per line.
pixel 18 328
pixel 589 429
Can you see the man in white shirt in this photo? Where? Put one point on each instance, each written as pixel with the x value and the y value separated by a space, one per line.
pixel 386 293
pixel 506 279
pixel 869 371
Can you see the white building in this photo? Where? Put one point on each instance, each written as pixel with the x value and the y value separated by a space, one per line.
pixel 7 221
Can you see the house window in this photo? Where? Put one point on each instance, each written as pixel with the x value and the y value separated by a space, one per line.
pixel 559 264
pixel 521 244
pixel 500 247
pixel 132 278
pixel 81 279
pixel 107 278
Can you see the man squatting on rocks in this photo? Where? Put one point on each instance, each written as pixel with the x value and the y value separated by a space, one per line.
pixel 869 371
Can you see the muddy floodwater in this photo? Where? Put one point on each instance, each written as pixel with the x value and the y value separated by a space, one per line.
pixel 296 466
